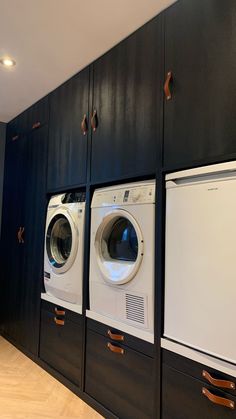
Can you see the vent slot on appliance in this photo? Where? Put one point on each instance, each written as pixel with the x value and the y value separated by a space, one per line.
pixel 135 308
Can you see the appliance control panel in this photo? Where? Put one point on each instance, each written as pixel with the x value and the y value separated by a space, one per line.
pixel 130 195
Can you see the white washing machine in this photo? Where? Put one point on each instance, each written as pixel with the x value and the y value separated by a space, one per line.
pixel 122 258
pixel 64 250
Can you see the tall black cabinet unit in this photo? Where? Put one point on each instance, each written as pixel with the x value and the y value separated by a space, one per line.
pixel 126 113
pixel 200 51
pixel 68 133
pixel 22 237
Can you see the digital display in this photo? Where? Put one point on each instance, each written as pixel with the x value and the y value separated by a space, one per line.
pixel 126 196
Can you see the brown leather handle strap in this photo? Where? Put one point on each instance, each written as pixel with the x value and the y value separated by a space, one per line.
pixel 218 383
pixel 167 91
pixel 113 336
pixel 115 349
pixel 36 125
pixel 19 234
pixel 84 125
pixel 60 312
pixel 59 322
pixel 15 137
pixel 217 400
pixel 94 120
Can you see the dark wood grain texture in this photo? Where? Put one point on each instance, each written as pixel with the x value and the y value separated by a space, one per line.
pixel 67 154
pixel 200 50
pixel 127 96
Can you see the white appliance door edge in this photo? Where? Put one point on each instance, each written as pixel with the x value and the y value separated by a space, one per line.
pixel 198 171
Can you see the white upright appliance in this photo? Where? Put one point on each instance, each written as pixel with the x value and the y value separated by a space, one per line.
pixel 122 258
pixel 64 250
pixel 200 267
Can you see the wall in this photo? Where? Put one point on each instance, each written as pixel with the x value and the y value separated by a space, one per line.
pixel 2 153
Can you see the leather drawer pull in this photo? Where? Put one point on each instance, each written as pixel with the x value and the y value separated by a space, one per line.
pixel 84 125
pixel 19 235
pixel 167 91
pixel 113 336
pixel 36 125
pixel 94 120
pixel 217 400
pixel 218 383
pixel 59 322
pixel 15 138
pixel 60 312
pixel 115 349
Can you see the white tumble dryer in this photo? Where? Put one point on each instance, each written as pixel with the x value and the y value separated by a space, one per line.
pixel 122 258
pixel 64 249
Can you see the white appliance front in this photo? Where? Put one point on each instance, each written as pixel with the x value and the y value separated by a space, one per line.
pixel 122 257
pixel 200 265
pixel 64 248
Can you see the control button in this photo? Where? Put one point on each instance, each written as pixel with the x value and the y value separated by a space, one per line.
pixel 136 197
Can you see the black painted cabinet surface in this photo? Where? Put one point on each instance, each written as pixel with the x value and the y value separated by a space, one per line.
pixel 200 50
pixel 127 95
pixel 67 154
pixel 122 381
pixel 183 398
pixel 61 344
pixel 24 206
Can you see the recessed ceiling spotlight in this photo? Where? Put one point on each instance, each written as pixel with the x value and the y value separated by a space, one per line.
pixel 7 62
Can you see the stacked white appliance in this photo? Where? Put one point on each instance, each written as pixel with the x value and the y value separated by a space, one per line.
pixel 200 272
pixel 121 283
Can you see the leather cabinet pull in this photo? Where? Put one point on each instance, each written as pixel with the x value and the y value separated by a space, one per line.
pixel 218 383
pixel 113 336
pixel 59 322
pixel 167 91
pixel 19 235
pixel 84 125
pixel 217 400
pixel 94 121
pixel 115 349
pixel 60 312
pixel 36 125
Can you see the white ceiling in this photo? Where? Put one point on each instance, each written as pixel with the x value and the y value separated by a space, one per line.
pixel 51 40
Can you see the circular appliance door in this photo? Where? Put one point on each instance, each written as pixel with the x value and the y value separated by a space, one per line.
pixel 61 241
pixel 119 247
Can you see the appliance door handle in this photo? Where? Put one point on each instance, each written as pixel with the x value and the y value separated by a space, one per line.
pixel 218 400
pixel 94 120
pixel 84 125
pixel 115 349
pixel 167 91
pixel 59 322
pixel 218 383
pixel 59 312
pixel 113 336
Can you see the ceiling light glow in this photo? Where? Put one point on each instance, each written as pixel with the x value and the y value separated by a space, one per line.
pixel 7 62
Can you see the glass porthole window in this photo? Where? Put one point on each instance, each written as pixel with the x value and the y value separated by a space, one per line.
pixel 59 241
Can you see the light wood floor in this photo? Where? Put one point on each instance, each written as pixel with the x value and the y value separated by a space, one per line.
pixel 29 392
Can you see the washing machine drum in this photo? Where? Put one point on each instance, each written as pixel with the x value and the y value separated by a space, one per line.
pixel 119 247
pixel 61 242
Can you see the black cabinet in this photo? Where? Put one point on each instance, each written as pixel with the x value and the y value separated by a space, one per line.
pixel 22 236
pixel 67 154
pixel 118 377
pixel 61 341
pixel 127 97
pixel 192 390
pixel 200 51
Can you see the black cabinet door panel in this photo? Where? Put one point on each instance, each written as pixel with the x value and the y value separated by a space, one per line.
pixel 182 398
pixel 127 96
pixel 123 383
pixel 200 50
pixel 67 152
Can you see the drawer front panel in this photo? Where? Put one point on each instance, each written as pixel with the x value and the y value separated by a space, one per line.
pixel 206 374
pixel 61 345
pixel 123 381
pixel 127 340
pixel 183 398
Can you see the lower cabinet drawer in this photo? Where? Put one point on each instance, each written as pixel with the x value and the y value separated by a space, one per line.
pixel 184 397
pixel 119 378
pixel 61 345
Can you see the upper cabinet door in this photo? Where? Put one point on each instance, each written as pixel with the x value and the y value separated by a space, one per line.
pixel 67 152
pixel 200 51
pixel 127 100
